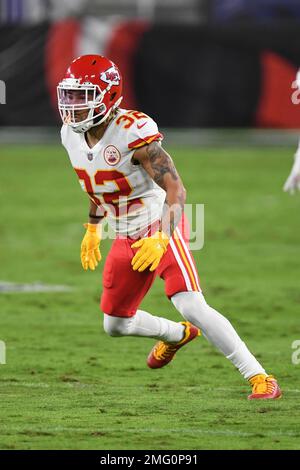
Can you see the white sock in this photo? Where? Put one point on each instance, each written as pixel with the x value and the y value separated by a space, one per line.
pixel 218 330
pixel 144 324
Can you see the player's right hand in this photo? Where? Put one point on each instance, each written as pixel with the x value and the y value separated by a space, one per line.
pixel 90 247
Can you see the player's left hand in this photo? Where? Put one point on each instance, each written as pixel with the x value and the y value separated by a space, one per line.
pixel 150 252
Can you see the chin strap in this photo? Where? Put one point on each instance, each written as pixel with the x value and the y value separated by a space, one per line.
pixel 79 128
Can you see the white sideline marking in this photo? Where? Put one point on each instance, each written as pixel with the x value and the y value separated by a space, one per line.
pixel 59 383
pixel 24 384
pixel 8 287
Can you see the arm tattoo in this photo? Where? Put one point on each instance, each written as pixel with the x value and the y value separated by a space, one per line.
pixel 161 164
pixel 174 213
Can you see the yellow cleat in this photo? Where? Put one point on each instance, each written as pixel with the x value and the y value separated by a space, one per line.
pixel 163 353
pixel 264 387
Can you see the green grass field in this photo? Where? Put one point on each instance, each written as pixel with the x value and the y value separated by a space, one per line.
pixel 67 385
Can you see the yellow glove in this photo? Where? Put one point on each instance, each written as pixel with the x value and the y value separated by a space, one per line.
pixel 150 252
pixel 90 252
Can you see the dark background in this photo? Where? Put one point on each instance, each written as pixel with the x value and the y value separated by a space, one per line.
pixel 202 64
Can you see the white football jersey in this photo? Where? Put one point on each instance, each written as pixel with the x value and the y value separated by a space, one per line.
pixel 123 190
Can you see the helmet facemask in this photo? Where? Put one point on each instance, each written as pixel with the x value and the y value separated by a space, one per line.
pixel 74 98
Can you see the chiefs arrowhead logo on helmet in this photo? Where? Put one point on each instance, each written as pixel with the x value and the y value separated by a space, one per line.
pixel 111 76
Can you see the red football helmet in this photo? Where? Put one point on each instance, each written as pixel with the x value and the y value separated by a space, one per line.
pixel 91 87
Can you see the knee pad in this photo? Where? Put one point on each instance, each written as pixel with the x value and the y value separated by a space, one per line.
pixel 116 326
pixel 191 305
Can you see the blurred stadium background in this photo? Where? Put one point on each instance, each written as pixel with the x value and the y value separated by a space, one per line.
pixel 197 63
pixel 217 76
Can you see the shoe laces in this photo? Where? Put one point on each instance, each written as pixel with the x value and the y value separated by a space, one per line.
pixel 264 385
pixel 164 350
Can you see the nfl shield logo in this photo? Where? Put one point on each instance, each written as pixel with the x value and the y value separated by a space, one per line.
pixel 90 156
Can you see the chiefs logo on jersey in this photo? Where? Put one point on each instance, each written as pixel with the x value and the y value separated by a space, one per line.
pixel 111 76
pixel 112 155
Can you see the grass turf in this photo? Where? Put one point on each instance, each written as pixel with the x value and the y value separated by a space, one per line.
pixel 67 385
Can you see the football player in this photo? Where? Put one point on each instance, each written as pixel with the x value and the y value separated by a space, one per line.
pixel 133 183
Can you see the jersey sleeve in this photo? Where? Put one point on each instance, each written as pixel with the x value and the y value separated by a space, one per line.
pixel 63 134
pixel 142 132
